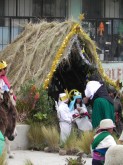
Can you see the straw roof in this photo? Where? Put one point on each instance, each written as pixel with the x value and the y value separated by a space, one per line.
pixel 40 48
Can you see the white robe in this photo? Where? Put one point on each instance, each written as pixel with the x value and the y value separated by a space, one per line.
pixel 65 121
pixel 83 123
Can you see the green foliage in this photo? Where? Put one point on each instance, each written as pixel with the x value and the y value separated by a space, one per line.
pixel 76 161
pixel 40 116
pixel 35 104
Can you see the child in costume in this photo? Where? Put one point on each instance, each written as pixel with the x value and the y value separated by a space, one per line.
pixel 102 141
pixel 64 116
pixel 80 113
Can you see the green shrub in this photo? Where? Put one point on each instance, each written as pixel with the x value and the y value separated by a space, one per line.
pixel 75 161
pixel 35 104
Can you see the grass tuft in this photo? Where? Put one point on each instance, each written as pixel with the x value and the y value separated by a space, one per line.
pixel 85 141
pixel 36 137
pixel 51 135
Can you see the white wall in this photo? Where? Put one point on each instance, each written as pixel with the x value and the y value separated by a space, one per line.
pixel 114 70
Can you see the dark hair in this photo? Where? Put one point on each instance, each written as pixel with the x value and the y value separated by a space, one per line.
pixel 95 77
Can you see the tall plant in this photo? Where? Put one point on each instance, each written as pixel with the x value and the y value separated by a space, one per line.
pixel 36 105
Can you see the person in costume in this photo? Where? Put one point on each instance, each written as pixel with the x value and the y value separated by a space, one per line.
pixel 65 117
pixel 3 70
pixel 102 141
pixel 80 113
pixel 102 103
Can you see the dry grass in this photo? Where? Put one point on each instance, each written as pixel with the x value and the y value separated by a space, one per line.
pixel 85 141
pixel 36 137
pixel 71 143
pixel 3 160
pixel 28 162
pixel 31 55
pixel 33 50
pixel 51 135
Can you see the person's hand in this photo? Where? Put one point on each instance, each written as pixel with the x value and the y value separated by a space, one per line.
pixel 79 109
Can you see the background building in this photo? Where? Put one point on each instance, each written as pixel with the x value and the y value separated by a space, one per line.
pixel 103 20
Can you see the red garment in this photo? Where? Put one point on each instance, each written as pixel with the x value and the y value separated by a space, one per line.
pixel 5 79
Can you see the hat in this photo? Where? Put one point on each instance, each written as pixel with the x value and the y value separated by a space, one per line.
pixel 3 64
pixel 63 97
pixel 106 124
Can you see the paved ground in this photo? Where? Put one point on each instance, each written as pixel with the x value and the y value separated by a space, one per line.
pixel 40 158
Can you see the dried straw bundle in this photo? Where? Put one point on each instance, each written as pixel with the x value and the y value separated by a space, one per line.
pixel 32 53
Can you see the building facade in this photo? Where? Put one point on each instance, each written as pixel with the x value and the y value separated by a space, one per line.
pixel 103 20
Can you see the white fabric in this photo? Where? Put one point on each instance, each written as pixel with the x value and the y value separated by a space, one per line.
pixel 91 88
pixel 2 83
pixel 106 142
pixel 63 95
pixel 65 121
pixel 65 129
pixel 83 123
pixel 121 136
pixel 3 86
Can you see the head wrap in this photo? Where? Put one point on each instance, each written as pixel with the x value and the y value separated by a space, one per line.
pixel 63 97
pixel 77 96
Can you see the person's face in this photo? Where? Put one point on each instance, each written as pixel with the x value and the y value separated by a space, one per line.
pixel 110 130
pixel 85 100
pixel 111 95
pixel 78 100
pixel 3 72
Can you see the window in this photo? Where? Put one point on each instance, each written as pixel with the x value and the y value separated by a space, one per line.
pixel 103 8
pixel 49 8
pixel 93 8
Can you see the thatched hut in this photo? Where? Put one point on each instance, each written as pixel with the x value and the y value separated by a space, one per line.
pixel 57 55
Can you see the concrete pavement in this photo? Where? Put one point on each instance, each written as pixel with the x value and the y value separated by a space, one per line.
pixel 40 158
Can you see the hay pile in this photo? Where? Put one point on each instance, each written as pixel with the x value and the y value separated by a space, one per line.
pixel 32 53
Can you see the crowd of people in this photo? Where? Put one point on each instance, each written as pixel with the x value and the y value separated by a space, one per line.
pixel 102 120
pixel 106 112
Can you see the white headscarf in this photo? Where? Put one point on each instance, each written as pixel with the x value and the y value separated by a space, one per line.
pixel 91 88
